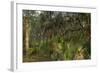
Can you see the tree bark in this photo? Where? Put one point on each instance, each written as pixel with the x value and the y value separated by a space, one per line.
pixel 25 34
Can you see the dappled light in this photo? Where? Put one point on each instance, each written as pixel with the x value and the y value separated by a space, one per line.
pixel 56 36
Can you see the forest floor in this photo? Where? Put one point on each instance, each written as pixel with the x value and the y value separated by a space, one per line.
pixel 36 59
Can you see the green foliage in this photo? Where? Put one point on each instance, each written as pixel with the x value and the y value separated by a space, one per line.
pixel 58 35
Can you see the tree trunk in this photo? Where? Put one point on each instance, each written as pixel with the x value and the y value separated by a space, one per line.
pixel 25 34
